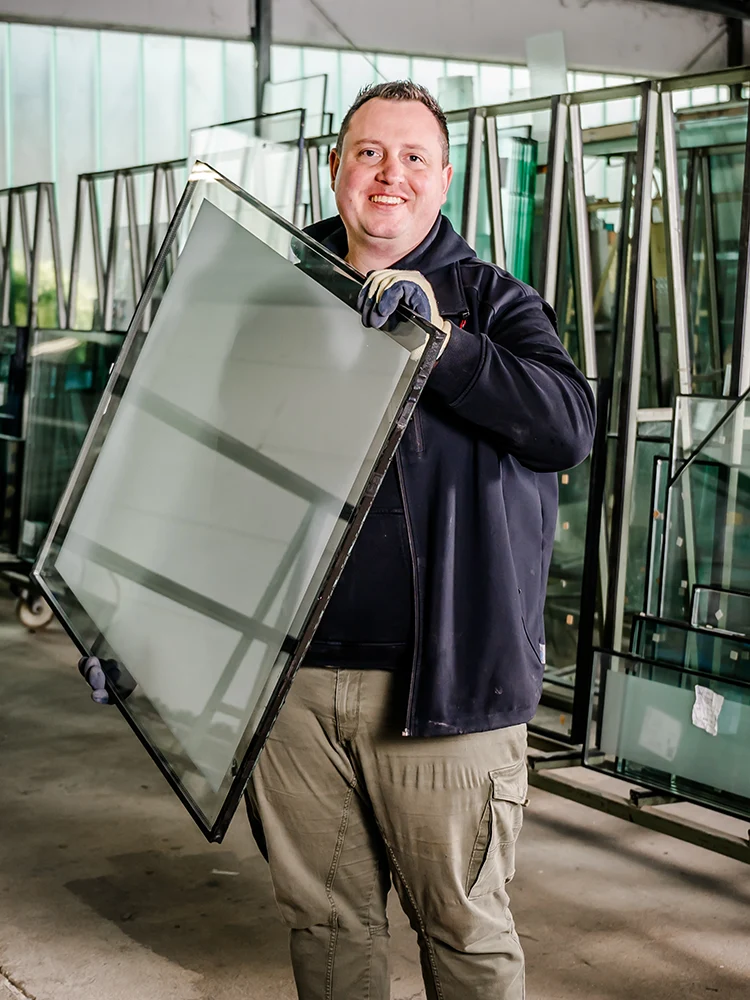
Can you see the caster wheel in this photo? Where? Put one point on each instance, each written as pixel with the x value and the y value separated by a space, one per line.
pixel 34 614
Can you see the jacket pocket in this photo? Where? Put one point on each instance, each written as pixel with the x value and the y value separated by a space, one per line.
pixel 493 858
pixel 538 647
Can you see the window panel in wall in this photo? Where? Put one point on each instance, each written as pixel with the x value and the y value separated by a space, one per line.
pixel 356 72
pixel 520 83
pixel 204 82
pixel 120 100
pixel 494 84
pixel 31 53
pixel 75 106
pixel 165 134
pixel 286 62
pixel 5 141
pixel 428 73
pixel 239 80
pixel 392 67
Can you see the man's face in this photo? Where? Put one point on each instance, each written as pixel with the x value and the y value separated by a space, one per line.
pixel 390 182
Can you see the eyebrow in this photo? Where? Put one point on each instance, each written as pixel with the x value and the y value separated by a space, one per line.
pixel 378 142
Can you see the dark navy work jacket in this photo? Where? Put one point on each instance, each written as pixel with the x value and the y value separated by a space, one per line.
pixel 504 410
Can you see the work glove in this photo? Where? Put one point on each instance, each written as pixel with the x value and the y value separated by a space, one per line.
pixel 384 291
pixel 93 672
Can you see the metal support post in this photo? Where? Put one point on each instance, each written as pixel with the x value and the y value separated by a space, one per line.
pixel 96 242
pixel 261 39
pixel 553 200
pixel 739 381
pixel 470 213
pixel 673 233
pixel 313 172
pixel 110 271
pixel 582 247
pixel 54 232
pixel 632 356
pixel 494 192
pixel 32 274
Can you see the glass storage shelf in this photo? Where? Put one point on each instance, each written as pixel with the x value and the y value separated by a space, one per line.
pixel 679 731
pixel 723 610
pixel 235 452
pixel 693 648
pixel 68 374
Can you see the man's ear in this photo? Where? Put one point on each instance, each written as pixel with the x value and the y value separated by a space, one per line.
pixel 334 162
pixel 447 178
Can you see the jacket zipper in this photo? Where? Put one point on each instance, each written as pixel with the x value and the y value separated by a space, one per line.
pixel 417 637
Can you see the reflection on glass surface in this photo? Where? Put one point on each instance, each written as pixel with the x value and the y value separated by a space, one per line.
pixel 222 484
pixel 68 375
pixel 723 610
pixel 262 155
pixel 652 731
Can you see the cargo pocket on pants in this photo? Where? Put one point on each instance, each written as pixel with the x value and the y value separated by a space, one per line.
pixel 493 858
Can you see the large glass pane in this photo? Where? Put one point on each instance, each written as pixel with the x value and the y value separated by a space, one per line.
pixel 308 92
pixel 68 375
pixel 263 155
pixel 227 472
pixel 723 610
pixel 681 731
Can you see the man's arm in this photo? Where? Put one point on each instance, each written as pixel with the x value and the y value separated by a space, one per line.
pixel 517 381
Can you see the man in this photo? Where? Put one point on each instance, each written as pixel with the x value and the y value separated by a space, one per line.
pixel 399 755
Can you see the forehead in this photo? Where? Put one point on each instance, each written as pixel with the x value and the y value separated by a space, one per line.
pixel 408 122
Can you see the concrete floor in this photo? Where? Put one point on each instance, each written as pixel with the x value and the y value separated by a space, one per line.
pixel 108 892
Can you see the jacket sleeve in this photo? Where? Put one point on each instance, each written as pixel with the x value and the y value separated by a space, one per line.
pixel 517 381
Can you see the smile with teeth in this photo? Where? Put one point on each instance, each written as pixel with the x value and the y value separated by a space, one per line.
pixel 386 199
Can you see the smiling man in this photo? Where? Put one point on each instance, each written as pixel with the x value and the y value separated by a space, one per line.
pixel 399 756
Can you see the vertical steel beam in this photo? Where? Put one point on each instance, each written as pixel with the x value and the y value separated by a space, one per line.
pixel 313 174
pixel 261 38
pixel 8 268
pixel 136 266
pixel 470 212
pixel 739 381
pixel 582 247
pixel 75 256
pixel 632 356
pixel 553 200
pixel 712 277
pixel 96 242
pixel 675 250
pixel 110 272
pixel 494 192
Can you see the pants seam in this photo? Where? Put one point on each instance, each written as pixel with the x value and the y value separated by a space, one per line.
pixel 329 893
pixel 420 920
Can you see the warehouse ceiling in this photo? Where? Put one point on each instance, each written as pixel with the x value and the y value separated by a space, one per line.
pixel 725 8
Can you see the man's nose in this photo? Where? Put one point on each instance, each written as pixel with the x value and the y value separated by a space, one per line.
pixel 390 171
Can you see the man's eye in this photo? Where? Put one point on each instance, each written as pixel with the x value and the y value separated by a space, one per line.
pixel 414 158
pixel 369 152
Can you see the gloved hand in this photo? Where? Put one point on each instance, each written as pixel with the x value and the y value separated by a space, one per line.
pixel 384 291
pixel 96 672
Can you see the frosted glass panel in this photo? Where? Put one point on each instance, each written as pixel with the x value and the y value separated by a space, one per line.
pixel 31 103
pixel 222 486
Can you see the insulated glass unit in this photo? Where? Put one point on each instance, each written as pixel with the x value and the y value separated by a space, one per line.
pixel 236 450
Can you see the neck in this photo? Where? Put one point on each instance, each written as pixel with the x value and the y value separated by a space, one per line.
pixel 375 255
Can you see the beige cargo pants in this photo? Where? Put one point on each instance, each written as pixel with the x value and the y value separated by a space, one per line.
pixel 345 804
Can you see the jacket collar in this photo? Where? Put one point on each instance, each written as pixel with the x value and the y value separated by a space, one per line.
pixel 438 257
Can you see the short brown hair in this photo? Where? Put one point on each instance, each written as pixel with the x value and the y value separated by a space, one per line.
pixel 398 90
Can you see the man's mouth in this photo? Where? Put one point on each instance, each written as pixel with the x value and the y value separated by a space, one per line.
pixel 386 199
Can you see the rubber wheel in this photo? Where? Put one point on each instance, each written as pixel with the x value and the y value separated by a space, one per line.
pixel 34 614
